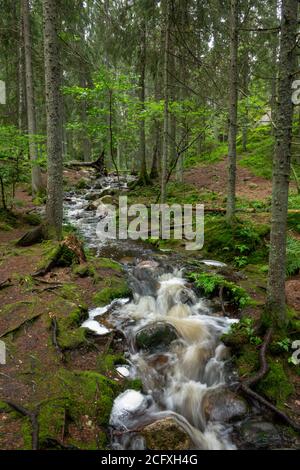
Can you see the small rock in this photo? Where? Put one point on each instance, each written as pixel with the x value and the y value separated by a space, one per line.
pixel 224 406
pixel 155 337
pixel 166 434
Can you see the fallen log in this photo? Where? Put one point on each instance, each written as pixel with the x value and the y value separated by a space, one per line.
pixel 97 165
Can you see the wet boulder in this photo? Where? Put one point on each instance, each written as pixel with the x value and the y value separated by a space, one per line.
pixel 166 434
pixel 156 337
pixel 224 406
pixel 256 434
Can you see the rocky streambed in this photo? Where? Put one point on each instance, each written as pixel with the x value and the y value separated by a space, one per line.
pixel 173 343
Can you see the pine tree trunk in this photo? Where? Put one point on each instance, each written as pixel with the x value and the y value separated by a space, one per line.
pixel 282 164
pixel 165 151
pixel 36 176
pixel 21 81
pixel 142 150
pixel 233 102
pixel 54 209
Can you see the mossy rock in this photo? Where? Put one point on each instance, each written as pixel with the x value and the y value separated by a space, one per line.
pixel 70 334
pixel 107 263
pixel 120 291
pixel 276 385
pixel 166 434
pixel 107 363
pixel 90 393
pixel 155 337
pixel 77 395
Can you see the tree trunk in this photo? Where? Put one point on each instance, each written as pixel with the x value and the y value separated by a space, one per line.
pixel 233 102
pixel 276 302
pixel 85 141
pixel 36 176
pixel 21 81
pixel 54 209
pixel 245 85
pixel 143 166
pixel 165 151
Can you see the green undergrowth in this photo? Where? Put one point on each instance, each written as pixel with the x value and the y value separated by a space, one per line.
pixel 212 153
pixel 245 339
pixel 209 284
pixel 293 256
pixel 242 243
pixel 259 154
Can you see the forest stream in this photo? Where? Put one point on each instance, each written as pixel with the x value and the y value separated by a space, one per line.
pixel 173 340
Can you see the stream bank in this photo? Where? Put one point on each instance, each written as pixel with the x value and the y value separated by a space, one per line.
pixel 37 373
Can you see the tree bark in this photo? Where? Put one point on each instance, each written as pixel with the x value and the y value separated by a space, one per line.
pixel 143 165
pixel 36 176
pixel 233 102
pixel 165 151
pixel 54 208
pixel 276 299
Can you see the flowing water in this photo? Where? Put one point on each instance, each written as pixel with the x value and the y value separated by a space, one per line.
pixel 177 378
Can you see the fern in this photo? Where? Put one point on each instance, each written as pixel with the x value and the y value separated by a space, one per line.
pixel 293 256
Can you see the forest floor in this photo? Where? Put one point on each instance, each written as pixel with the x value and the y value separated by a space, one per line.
pixel 213 177
pixel 65 384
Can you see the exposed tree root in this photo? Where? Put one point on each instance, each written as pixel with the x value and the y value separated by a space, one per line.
pixel 54 328
pixel 246 384
pixel 33 416
pixel 22 323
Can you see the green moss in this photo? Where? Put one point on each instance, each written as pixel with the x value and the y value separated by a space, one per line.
pixel 84 270
pixel 108 294
pixel 89 394
pixel 75 395
pixel 248 362
pixel 81 184
pixel 51 419
pixel 71 339
pixel 276 385
pixel 107 362
pixel 231 241
pixel 70 335
pixel 133 384
pixel 106 263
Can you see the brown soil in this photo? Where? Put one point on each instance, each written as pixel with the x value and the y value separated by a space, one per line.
pixel 213 177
